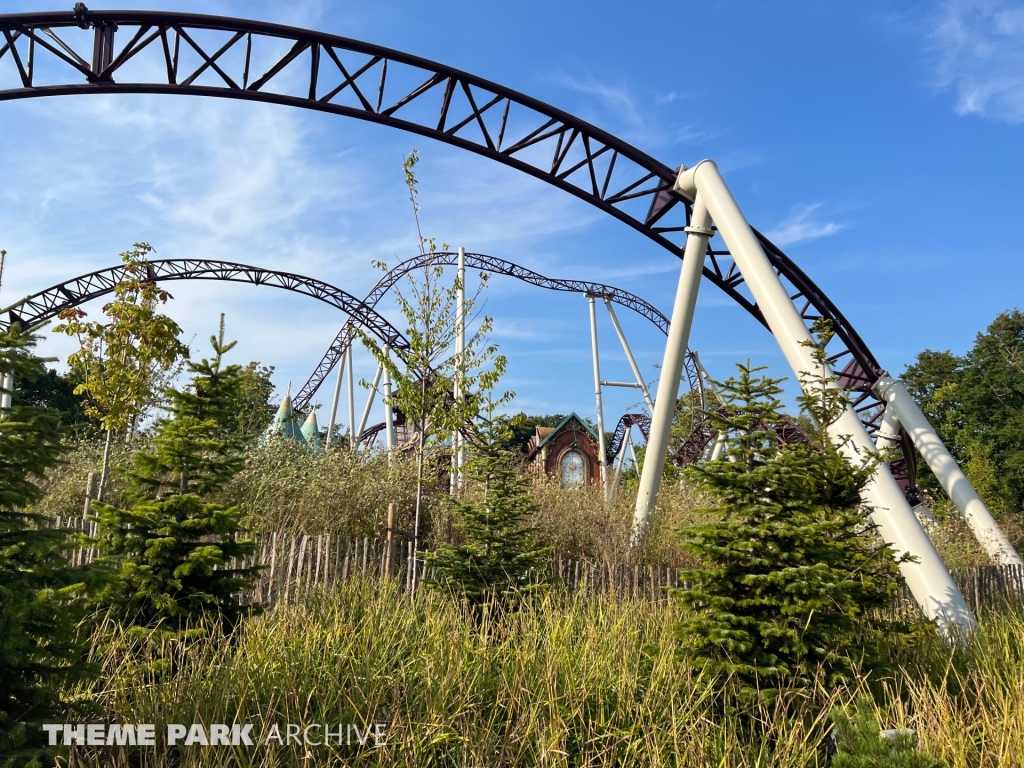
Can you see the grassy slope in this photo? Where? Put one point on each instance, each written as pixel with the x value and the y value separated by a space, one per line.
pixel 568 681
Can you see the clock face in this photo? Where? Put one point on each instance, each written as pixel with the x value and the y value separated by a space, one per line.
pixel 572 469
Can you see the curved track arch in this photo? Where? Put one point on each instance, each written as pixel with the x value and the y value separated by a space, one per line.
pixel 34 310
pixel 483 263
pixel 80 52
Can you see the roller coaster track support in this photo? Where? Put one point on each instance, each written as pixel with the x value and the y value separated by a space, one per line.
pixel 928 579
pixel 698 234
pixel 947 471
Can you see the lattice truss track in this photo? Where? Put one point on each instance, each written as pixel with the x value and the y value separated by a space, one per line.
pixel 66 53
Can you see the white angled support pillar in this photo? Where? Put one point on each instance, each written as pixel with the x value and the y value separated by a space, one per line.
pixel 389 416
pixel 928 579
pixel 352 439
pixel 334 403
pixel 699 232
pixel 947 471
pixel 369 402
pixel 629 355
pixel 460 351
pixel 7 384
pixel 601 450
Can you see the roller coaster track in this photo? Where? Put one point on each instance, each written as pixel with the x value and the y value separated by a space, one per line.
pixel 483 263
pixel 35 310
pixel 78 52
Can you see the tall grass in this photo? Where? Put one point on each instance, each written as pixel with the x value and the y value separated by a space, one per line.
pixel 568 680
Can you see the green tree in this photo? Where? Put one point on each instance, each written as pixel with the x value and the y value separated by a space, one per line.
pixel 41 597
pixel 976 405
pixel 794 572
pixel 423 388
pixel 172 549
pixel 255 407
pixel 55 392
pixel 121 361
pixel 499 558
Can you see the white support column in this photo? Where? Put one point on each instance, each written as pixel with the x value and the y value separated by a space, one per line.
pixel 947 471
pixel 389 417
pixel 601 454
pixel 619 463
pixel 699 232
pixel 720 443
pixel 7 382
pixel 460 350
pixel 352 438
pixel 928 579
pixel 369 402
pixel 629 356
pixel 887 436
pixel 334 403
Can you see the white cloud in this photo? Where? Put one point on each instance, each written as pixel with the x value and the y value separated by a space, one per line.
pixel 615 98
pixel 979 51
pixel 801 227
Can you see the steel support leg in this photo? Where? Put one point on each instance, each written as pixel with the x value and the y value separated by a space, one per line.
pixel 928 579
pixel 947 471
pixel 460 351
pixel 334 404
pixel 672 368
pixel 389 416
pixel 369 402
pixel 352 439
pixel 602 455
pixel 629 356
pixel 7 384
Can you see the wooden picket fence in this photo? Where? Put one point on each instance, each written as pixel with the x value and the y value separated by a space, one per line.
pixel 295 563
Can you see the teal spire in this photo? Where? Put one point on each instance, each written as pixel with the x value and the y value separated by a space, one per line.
pixel 311 432
pixel 284 424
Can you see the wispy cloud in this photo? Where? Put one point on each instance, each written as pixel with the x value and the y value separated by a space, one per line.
pixel 615 98
pixel 631 116
pixel 802 226
pixel 979 51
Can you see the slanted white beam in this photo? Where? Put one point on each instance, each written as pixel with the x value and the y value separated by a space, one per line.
pixel 334 403
pixel 629 356
pixel 389 416
pixel 952 479
pixel 699 232
pixel 353 439
pixel 928 579
pixel 369 401
pixel 601 450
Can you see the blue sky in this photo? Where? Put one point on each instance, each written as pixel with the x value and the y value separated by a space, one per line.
pixel 880 144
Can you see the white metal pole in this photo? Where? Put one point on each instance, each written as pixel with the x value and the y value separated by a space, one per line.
pixel 947 471
pixel 458 456
pixel 720 443
pixel 369 401
pixel 620 461
pixel 629 355
pixel 352 438
pixel 928 579
pixel 7 381
pixel 601 456
pixel 389 418
pixel 699 232
pixel 334 403
pixel 887 436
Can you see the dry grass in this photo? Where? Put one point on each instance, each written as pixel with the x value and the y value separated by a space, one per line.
pixel 566 681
